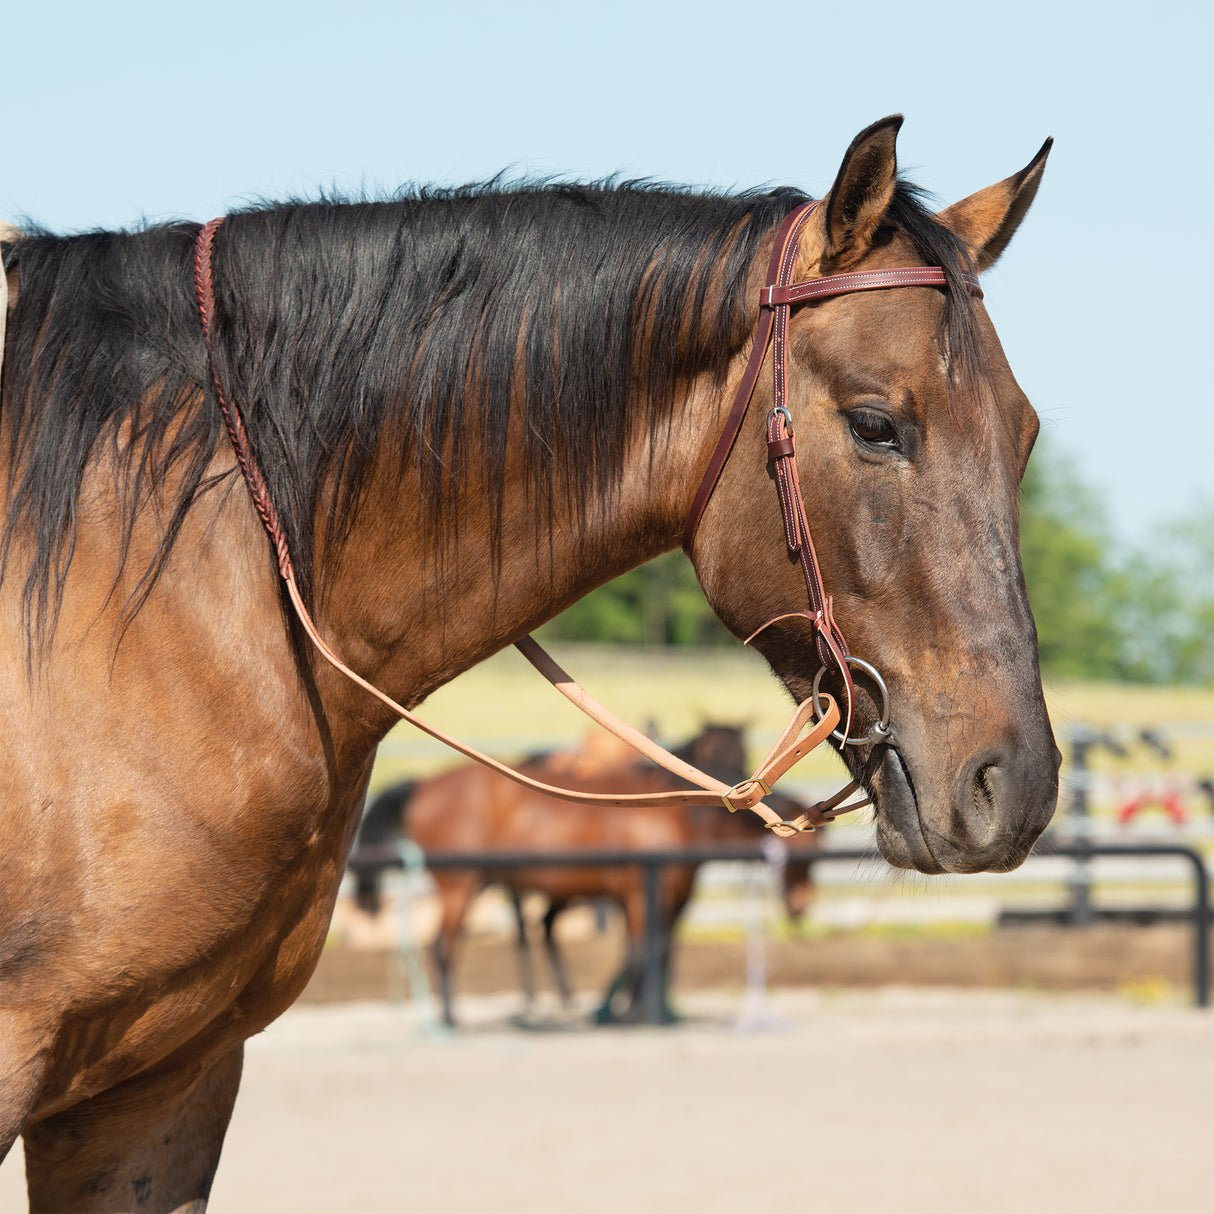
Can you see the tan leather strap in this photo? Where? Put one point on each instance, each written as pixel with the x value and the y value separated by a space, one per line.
pixel 792 745
pixel 790 748
pixel 747 795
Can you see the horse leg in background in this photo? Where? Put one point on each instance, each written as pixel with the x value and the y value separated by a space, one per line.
pixel 605 1013
pixel 455 891
pixel 367 895
pixel 526 971
pixel 555 960
pixel 624 979
pixel 798 891
pixel 680 882
pixel 23 1062
pixel 632 972
pixel 150 1144
pixel 674 895
pixel 382 825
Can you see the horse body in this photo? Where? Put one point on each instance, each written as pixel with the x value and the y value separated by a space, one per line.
pixel 169 889
pixel 472 809
pixel 184 795
pixel 181 780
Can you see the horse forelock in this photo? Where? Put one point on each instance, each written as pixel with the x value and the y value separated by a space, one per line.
pixel 938 246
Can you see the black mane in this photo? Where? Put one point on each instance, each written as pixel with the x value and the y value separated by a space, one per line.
pixel 344 325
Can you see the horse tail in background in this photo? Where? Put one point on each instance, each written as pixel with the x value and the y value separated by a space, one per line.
pixel 382 826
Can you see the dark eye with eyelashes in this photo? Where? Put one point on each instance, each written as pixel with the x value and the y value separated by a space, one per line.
pixel 872 429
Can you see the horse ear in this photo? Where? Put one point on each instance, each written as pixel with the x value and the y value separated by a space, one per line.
pixel 988 220
pixel 861 194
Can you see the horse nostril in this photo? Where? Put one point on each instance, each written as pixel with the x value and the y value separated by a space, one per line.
pixel 983 792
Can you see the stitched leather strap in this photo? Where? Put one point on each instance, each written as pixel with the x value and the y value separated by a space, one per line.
pixel 866 280
pixel 828 639
pixel 775 301
pixel 750 376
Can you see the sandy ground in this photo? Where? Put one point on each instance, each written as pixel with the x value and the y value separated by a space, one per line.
pixel 902 1099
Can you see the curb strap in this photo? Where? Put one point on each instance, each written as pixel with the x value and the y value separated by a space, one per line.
pixel 792 745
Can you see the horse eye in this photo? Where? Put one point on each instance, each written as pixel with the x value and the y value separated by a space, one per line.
pixel 873 428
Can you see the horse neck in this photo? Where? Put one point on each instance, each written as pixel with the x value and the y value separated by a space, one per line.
pixel 411 604
pixel 508 540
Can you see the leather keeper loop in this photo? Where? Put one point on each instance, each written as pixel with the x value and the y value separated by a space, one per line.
pixel 773 296
pixel 781 448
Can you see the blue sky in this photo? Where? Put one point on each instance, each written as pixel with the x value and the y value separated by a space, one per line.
pixel 129 110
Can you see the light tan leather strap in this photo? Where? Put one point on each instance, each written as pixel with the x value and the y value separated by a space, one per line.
pixel 789 749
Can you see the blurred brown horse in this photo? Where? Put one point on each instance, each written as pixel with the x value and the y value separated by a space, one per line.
pixel 469 408
pixel 472 809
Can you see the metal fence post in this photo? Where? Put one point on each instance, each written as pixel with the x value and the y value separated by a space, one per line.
pixel 1080 914
pixel 652 994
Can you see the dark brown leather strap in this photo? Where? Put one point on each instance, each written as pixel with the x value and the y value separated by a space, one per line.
pixel 866 280
pixel 831 647
pixel 775 301
pixel 750 376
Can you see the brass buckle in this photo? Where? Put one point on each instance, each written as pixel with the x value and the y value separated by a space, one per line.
pixel 797 830
pixel 733 792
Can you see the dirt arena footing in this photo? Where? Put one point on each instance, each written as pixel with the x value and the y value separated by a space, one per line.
pixel 1104 957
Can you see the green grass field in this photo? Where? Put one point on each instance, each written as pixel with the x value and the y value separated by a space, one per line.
pixel 506 708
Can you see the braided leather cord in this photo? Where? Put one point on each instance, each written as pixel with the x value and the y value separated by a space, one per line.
pixel 205 292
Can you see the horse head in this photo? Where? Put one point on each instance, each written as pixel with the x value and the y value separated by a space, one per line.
pixel 912 437
pixel 718 749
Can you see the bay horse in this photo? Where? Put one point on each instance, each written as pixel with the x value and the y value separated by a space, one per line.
pixel 469 407
pixel 469 808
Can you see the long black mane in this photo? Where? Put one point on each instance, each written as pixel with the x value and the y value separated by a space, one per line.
pixel 342 325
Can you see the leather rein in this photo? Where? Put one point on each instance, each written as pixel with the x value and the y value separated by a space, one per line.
pixel 820 713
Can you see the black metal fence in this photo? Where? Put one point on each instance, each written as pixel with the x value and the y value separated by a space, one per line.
pixel 653 862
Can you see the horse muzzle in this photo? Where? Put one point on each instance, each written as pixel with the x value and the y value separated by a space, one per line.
pixel 986 819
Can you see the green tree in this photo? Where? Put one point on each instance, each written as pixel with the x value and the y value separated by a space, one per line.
pixel 1142 613
pixel 1166 592
pixel 659 603
pixel 1064 545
